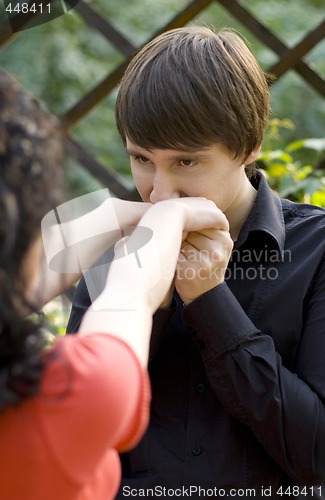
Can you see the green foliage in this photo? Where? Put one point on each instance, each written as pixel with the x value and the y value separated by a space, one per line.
pixel 56 315
pixel 287 170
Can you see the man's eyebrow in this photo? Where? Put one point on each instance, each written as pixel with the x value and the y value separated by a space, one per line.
pixel 177 155
pixel 133 152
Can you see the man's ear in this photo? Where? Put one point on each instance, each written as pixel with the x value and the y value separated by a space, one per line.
pixel 253 155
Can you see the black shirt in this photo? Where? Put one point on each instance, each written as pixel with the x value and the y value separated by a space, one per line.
pixel 238 376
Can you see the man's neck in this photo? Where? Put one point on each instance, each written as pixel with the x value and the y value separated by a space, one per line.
pixel 241 208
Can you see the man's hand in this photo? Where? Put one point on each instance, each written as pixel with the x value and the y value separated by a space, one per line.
pixel 203 261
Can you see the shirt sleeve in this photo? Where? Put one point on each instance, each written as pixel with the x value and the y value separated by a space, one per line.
pixel 94 396
pixel 285 410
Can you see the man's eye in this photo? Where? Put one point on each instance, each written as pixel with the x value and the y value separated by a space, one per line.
pixel 187 163
pixel 142 159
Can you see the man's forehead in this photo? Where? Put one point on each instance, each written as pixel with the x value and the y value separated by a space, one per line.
pixel 135 149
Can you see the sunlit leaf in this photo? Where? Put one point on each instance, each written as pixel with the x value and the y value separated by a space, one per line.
pixel 318 198
pixel 315 144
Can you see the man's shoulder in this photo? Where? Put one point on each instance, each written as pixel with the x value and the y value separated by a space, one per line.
pixel 305 218
pixel 303 210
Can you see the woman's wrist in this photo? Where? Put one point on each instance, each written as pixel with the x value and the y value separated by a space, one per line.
pixel 129 213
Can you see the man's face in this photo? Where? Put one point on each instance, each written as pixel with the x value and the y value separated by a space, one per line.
pixel 209 172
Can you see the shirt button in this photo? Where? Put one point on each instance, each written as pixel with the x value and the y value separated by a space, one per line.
pixel 200 388
pixel 192 331
pixel 197 451
pixel 200 344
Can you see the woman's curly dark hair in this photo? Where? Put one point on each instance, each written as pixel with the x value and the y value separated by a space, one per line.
pixel 30 186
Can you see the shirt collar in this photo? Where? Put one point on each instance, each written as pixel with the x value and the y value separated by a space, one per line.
pixel 266 216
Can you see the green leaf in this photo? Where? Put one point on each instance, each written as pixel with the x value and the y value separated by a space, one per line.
pixel 318 198
pixel 315 144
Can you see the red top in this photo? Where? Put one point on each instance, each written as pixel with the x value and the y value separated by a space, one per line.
pixel 61 444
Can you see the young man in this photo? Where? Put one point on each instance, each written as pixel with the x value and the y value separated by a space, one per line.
pixel 236 363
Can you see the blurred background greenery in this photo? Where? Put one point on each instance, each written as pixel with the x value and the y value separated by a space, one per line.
pixel 62 60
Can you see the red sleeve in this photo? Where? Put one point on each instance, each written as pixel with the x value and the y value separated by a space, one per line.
pixel 94 396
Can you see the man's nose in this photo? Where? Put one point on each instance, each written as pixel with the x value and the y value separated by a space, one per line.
pixel 163 188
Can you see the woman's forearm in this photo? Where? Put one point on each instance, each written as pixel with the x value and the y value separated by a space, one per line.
pixel 71 247
pixel 141 275
pixel 137 281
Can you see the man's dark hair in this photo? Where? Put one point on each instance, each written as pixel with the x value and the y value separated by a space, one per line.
pixel 191 87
